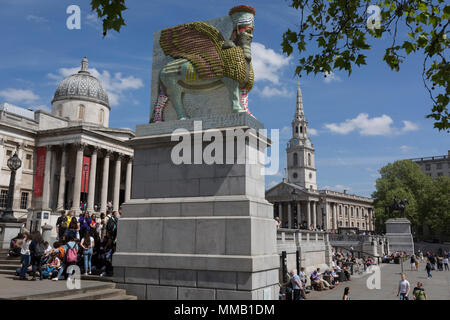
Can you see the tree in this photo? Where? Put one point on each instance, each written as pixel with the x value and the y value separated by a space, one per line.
pixel 110 12
pixel 338 30
pixel 428 199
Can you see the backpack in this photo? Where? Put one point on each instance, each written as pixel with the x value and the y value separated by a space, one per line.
pixel 111 225
pixel 72 254
pixel 39 249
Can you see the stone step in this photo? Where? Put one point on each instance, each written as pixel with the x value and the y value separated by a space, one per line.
pixel 58 295
pixel 9 272
pixel 10 261
pixel 8 266
pixel 93 295
pixel 124 297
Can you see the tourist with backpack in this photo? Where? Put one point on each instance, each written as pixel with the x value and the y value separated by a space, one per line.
pixel 70 257
pixel 37 250
pixel 111 226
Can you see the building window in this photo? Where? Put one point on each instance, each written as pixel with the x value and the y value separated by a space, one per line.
pixel 295 175
pixel 24 200
pixel 346 223
pixel 28 162
pixel 351 211
pixel 301 129
pixel 439 174
pixel 310 175
pixel 353 224
pixel 59 110
pixel 295 159
pixel 101 116
pixel 81 112
pixel 340 223
pixel 427 167
pixel 357 224
pixel 8 155
pixel 309 159
pixel 363 225
pixel 296 129
pixel 3 198
pixel 357 212
pixel 346 211
pixel 438 165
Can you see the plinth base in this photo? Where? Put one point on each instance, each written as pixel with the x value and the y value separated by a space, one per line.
pixel 398 232
pixel 8 230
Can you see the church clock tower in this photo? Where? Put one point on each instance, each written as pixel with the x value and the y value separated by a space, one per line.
pixel 301 168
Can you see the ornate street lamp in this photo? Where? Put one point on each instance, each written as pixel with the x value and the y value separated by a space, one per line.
pixel 86 168
pixel 14 163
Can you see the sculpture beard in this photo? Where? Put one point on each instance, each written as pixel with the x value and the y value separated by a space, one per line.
pixel 244 40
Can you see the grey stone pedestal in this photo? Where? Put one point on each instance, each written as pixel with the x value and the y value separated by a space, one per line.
pixel 398 232
pixel 8 230
pixel 196 231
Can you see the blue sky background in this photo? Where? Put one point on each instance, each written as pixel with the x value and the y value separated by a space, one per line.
pixel 361 123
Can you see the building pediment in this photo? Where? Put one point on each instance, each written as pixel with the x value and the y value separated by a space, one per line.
pixel 287 191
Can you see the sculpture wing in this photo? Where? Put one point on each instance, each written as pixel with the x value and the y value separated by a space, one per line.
pixel 197 42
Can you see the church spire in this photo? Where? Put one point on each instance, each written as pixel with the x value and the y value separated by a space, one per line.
pixel 84 65
pixel 299 111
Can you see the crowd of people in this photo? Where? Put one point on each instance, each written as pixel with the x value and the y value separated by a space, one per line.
pixel 87 241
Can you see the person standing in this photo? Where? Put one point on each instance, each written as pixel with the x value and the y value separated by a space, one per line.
pixel 403 288
pixel 346 295
pixel 87 243
pixel 445 261
pixel 419 292
pixel 413 262
pixel 25 256
pixel 85 224
pixel 428 268
pixel 61 224
pixel 37 250
pixel 296 285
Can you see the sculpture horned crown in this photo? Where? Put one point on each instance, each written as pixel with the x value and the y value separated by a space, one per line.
pixel 204 60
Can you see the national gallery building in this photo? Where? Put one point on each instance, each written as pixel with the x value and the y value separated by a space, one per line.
pixel 297 201
pixel 69 156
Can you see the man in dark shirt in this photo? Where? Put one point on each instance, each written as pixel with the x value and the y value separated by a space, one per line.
pixel 61 224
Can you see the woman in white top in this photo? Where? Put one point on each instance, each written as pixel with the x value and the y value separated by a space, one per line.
pixel 25 257
pixel 87 243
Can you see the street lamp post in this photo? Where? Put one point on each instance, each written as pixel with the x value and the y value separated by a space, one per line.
pixel 14 163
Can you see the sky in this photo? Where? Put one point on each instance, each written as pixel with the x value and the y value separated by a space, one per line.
pixel 358 123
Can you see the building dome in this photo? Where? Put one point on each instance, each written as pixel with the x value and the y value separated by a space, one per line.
pixel 82 86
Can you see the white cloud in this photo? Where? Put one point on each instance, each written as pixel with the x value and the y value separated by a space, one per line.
pixel 37 19
pixel 313 132
pixel 19 95
pixel 267 64
pixel 376 126
pixel 405 148
pixel 269 92
pixel 331 77
pixel 115 85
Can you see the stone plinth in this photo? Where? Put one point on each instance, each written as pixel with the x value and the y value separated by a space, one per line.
pixel 196 231
pixel 398 233
pixel 8 230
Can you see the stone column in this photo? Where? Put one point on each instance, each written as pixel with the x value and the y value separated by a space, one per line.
pixel 335 221
pixel 308 213
pixel 2 152
pixel 77 181
pixel 314 214
pixel 92 176
pixel 299 216
pixel 53 196
pixel 117 183
pixel 46 184
pixel 289 215
pixel 128 179
pixel 104 195
pixel 62 178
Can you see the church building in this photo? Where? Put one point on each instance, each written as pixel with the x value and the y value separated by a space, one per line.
pixel 297 200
